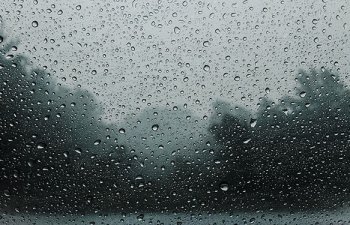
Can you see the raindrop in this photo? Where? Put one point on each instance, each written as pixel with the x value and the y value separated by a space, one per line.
pixel 224 186
pixel 176 30
pixel 97 142
pixel 139 177
pixel 155 127
pixel 237 78
pixel 252 122
pixel 206 68
pixel 302 94
pixel 41 146
pixel 35 24
pixel 206 43
pixel 122 130
pixel 247 141
pixel 77 150
pixel 78 7
pixel 140 217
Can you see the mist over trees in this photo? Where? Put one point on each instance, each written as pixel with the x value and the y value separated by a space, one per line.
pixel 293 153
pixel 48 136
pixel 58 156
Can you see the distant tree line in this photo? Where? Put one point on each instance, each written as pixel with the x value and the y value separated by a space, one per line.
pixel 57 156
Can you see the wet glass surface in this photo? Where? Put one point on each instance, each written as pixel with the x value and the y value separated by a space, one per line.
pixel 174 112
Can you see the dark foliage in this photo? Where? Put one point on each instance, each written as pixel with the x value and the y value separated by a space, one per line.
pixel 294 153
pixel 57 156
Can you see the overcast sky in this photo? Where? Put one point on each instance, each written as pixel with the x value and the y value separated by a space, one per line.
pixel 139 54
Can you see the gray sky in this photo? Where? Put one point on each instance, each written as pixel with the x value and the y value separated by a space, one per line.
pixel 142 54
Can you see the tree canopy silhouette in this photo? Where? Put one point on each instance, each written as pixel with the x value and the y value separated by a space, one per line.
pixel 49 137
pixel 291 154
pixel 58 156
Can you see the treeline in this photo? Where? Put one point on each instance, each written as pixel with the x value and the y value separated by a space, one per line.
pixel 57 156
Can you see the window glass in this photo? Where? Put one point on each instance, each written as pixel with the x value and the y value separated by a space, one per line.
pixel 174 112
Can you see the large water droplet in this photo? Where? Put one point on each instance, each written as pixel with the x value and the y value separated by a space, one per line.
pixel 252 122
pixel 224 186
pixel 206 68
pixel 247 141
pixel 97 142
pixel 122 130
pixel 176 30
pixel 302 94
pixel 35 24
pixel 155 127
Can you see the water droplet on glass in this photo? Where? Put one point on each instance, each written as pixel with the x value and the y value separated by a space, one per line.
pixel 35 24
pixel 41 146
pixel 246 141
pixel 155 127
pixel 206 43
pixel 122 130
pixel 97 142
pixel 206 68
pixel 302 94
pixel 78 7
pixel 224 186
pixel 252 122
pixel 176 30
